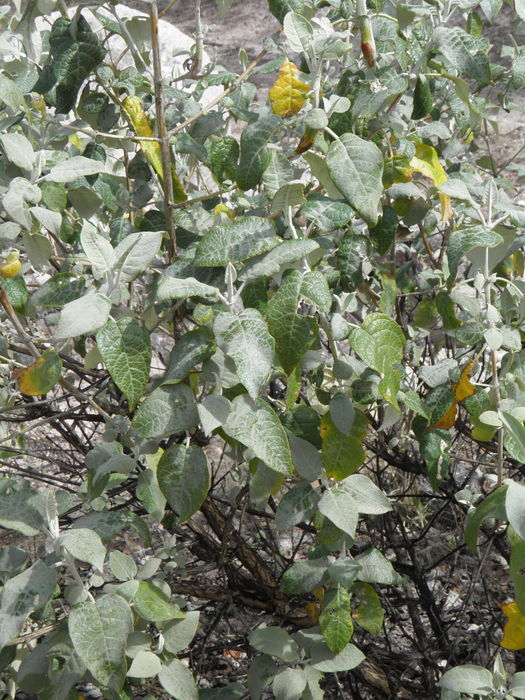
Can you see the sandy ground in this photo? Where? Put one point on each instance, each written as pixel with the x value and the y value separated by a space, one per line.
pixel 245 25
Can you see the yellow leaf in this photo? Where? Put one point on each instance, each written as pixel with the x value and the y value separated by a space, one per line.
pixel 448 420
pixel 319 593
pixel 12 265
pixel 313 610
pixel 42 375
pixel 427 163
pixel 141 126
pixel 289 93
pixel 464 388
pixel 224 209
pixel 514 630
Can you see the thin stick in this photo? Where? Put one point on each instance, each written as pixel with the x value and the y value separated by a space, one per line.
pixel 167 182
pixel 223 94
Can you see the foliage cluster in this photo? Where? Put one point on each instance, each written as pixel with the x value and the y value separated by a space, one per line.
pixel 257 341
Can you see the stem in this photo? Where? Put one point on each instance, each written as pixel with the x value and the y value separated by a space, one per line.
pixel 368 44
pixel 497 396
pixel 4 301
pixel 433 261
pixel 16 323
pixel 167 182
pixel 199 39
pixel 223 94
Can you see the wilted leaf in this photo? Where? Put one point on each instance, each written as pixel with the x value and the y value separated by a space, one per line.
pixel 42 375
pixel 426 162
pixel 132 106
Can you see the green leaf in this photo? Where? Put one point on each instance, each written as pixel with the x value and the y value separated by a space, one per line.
pixel 98 250
pixel 152 604
pixel 280 8
pixel 224 154
pixel 42 375
pixel 320 170
pixel 75 52
pixel 283 254
pixel 85 545
pixel 21 595
pixel 516 570
pixel 173 288
pixel 108 524
pixel 289 195
pixel 73 168
pixel 179 633
pixel 278 172
pixel 126 351
pixel 327 214
pixel 255 424
pixel 341 508
pixel 356 167
pixel 99 633
pixel 83 316
pixel 515 428
pixel 422 98
pixel 342 453
pixel 383 234
pixel 465 52
pixel 376 568
pixel 335 620
pixel 148 492
pixel 184 479
pixel 369 613
pixel 190 350
pixel 369 498
pixel 122 566
pixel 18 150
pixel 298 31
pixel 303 422
pixel 463 241
pixel 289 684
pixel 293 333
pixel 435 449
pixel 474 680
pixel 342 412
pixel 352 251
pixel 515 506
pixel 16 291
pixel 19 511
pixel 326 661
pixel 10 93
pixel 304 576
pixel 306 458
pixel 380 342
pixel 254 156
pixel 135 254
pixel 246 237
pixel 445 307
pixel 274 641
pixel 145 664
pixel 245 338
pixel 178 681
pixel 167 410
pixel 297 505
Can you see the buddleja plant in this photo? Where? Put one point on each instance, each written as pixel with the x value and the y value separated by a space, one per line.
pixel 306 284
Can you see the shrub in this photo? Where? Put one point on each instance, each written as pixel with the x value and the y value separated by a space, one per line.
pixel 268 344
